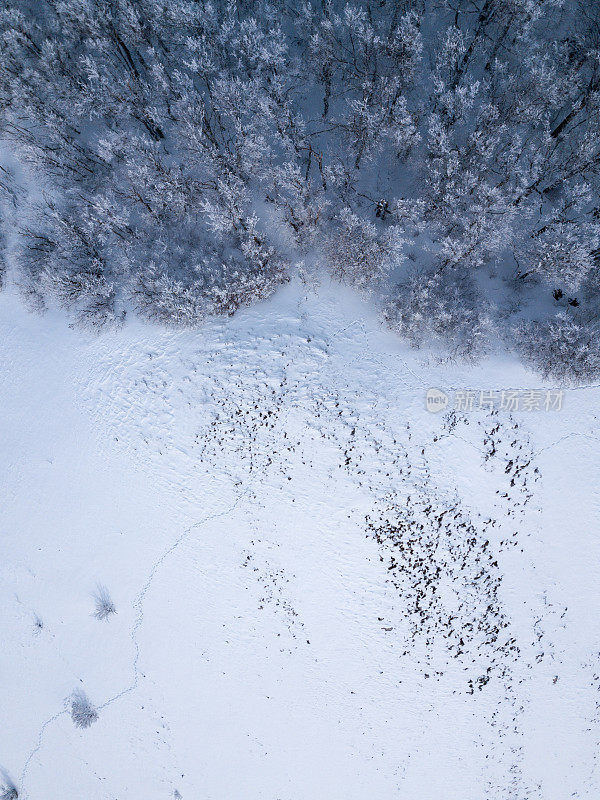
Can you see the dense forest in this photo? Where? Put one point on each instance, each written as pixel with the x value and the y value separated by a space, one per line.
pixel 181 159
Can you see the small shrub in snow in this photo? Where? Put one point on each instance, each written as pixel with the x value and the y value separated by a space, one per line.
pixel 8 790
pixel 83 712
pixel 104 604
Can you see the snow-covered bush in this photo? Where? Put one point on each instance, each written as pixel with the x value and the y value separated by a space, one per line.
pixel 8 790
pixel 437 308
pixel 359 254
pixel 173 291
pixel 83 712
pixel 560 347
pixel 104 605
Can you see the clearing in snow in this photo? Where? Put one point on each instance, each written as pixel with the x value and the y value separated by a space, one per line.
pixel 246 562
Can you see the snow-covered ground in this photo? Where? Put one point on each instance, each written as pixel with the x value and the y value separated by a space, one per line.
pixel 322 589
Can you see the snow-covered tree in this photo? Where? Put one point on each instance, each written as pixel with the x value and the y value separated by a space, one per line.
pixel 185 154
pixel 562 347
pixel 431 308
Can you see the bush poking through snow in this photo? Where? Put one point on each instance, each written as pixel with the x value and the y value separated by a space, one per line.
pixel 83 712
pixel 104 604
pixel 8 789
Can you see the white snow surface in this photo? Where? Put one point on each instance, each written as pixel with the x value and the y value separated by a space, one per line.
pixel 321 589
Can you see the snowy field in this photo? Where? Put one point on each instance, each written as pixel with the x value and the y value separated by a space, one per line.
pixel 322 590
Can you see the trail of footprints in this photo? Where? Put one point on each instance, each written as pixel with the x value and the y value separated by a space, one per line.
pixel 442 564
pixel 425 541
pixel 447 575
pixel 439 560
pixel 272 582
